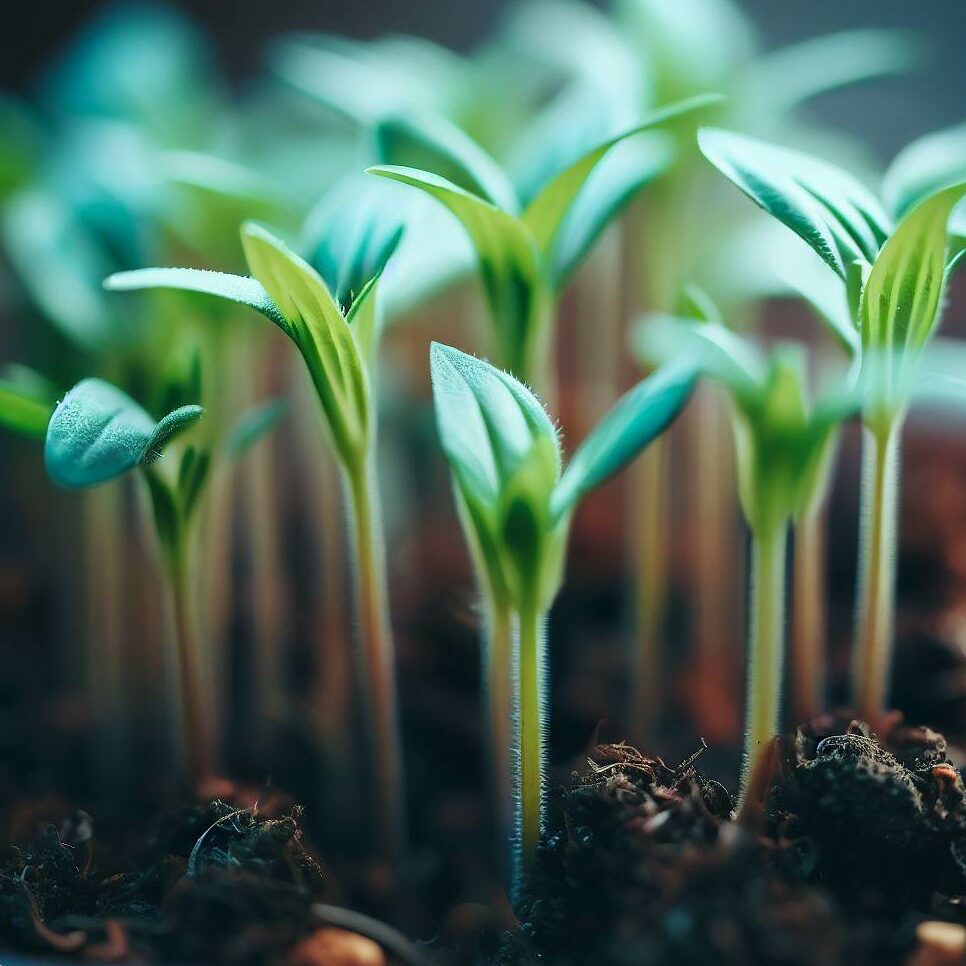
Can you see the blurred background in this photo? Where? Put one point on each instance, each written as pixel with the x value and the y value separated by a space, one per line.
pixel 59 585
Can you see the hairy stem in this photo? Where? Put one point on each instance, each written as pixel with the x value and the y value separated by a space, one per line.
pixel 650 545
pixel 531 730
pixel 765 641
pixel 877 568
pixel 808 625
pixel 498 677
pixel 378 657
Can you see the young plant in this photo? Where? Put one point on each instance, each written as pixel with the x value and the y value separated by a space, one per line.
pixel 782 446
pixel 525 255
pixel 336 335
pixel 893 267
pixel 516 501
pixel 98 433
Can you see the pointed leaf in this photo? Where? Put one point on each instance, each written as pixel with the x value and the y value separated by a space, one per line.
pixel 638 418
pixel 252 425
pixel 322 334
pixel 432 143
pixel 234 288
pixel 98 433
pixel 546 212
pixel 902 297
pixel 919 169
pixel 839 218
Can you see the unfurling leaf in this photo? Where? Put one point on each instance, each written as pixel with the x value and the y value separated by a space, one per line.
pixel 97 433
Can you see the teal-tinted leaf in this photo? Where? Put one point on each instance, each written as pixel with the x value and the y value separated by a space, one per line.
pixel 838 217
pixel 611 186
pixel 322 334
pixel 506 255
pixel 640 416
pixel 234 288
pixel 61 265
pixel 431 143
pixel 930 163
pixel 488 422
pixel 352 233
pixel 252 425
pixel 22 412
pixel 545 214
pixel 903 294
pixel 792 75
pixel 97 433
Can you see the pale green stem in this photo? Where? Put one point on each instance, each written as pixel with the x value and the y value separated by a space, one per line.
pixel 198 743
pixel 378 657
pixel 765 641
pixel 809 624
pixel 650 548
pixel 531 736
pixel 877 568
pixel 498 676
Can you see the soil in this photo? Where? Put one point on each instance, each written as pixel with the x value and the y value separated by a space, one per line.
pixel 851 850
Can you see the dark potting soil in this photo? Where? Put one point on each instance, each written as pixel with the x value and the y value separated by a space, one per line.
pixel 856 844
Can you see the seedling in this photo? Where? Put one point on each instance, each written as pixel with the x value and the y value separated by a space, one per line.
pixel 516 501
pixel 336 335
pixel 894 266
pixel 782 446
pixel 524 256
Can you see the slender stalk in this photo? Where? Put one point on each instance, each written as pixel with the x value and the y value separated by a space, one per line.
pixel 650 538
pixel 531 738
pixel 877 567
pixel 498 678
pixel 198 736
pixel 378 655
pixel 809 622
pixel 765 643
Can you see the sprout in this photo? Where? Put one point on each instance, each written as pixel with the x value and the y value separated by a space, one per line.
pixel 524 256
pixel 894 276
pixel 336 336
pixel 516 500
pixel 783 446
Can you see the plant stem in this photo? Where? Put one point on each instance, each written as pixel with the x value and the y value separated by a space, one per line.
pixel 379 686
pixel 650 555
pixel 531 731
pixel 197 732
pixel 766 641
pixel 877 567
pixel 809 626
pixel 498 677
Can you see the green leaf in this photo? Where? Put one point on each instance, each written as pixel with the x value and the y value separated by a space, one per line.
pixel 352 233
pixel 192 476
pixel 506 255
pixel 322 334
pixel 252 425
pixel 234 288
pixel 488 422
pixel 639 417
pixel 431 143
pixel 97 433
pixel 903 294
pixel 838 217
pixel 921 168
pixel 609 189
pixel 22 412
pixel 792 75
pixel 545 214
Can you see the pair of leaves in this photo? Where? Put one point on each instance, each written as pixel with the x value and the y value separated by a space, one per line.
pixel 523 251
pixel 97 433
pixel 783 443
pixel 290 293
pixel 505 456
